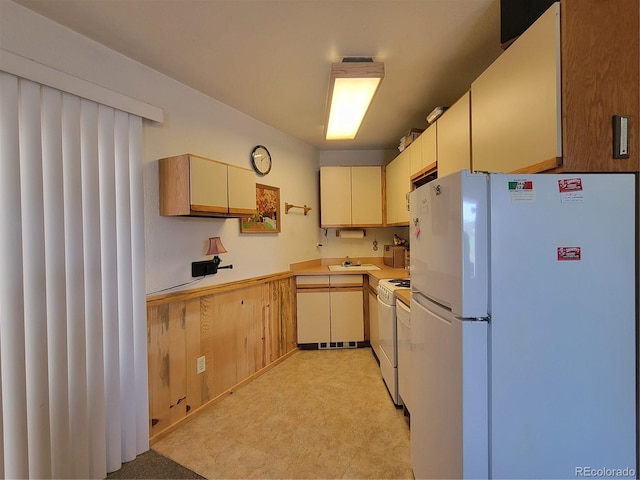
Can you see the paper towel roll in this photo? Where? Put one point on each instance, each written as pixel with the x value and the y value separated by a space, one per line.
pixel 350 233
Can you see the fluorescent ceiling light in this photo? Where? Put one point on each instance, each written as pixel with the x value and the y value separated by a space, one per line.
pixel 352 87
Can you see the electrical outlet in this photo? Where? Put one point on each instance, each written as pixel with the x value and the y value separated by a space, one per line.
pixel 200 365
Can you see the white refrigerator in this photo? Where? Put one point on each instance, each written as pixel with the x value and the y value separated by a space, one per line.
pixel 523 326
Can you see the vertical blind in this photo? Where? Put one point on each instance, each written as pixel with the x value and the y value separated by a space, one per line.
pixel 73 371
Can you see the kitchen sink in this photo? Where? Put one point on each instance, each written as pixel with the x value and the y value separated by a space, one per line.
pixel 362 266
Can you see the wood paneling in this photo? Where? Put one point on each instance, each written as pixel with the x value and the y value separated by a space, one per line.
pixel 193 339
pixel 177 361
pixel 240 331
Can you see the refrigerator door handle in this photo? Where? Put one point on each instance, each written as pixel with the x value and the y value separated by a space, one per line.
pixel 428 304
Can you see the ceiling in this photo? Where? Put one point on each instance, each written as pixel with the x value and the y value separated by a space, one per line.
pixel 271 58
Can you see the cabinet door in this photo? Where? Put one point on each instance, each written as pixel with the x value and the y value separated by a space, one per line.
pixel 515 103
pixel 429 146
pixel 398 183
pixel 208 185
pixel 335 196
pixel 415 155
pixel 454 138
pixel 366 196
pixel 242 190
pixel 391 175
pixel 313 316
pixel 404 187
pixel 347 316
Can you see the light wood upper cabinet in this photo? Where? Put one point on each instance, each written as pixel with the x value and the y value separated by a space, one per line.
pixel 426 161
pixel 454 138
pixel 546 104
pixel 398 185
pixel 446 143
pixel 428 150
pixel 366 195
pixel 516 102
pixel 196 186
pixel 351 196
pixel 208 186
pixel 242 190
pixel 415 154
pixel 335 196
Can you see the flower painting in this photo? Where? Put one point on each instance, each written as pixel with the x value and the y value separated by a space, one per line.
pixel 267 217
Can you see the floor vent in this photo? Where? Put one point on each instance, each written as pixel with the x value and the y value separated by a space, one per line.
pixel 331 345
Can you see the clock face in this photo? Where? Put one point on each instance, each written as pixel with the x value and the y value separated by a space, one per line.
pixel 261 160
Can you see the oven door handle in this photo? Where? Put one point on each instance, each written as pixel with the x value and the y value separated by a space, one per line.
pixel 383 303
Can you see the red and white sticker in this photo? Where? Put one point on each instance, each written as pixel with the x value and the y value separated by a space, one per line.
pixel 569 253
pixel 570 185
pixel 571 190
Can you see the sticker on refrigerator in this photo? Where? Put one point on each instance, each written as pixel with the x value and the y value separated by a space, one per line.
pixel 571 190
pixel 522 190
pixel 569 253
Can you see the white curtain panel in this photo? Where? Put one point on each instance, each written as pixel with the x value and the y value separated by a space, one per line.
pixel 73 368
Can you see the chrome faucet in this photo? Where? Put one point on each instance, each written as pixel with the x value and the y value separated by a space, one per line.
pixel 348 263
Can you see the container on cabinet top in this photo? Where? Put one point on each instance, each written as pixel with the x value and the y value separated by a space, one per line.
pixel 394 256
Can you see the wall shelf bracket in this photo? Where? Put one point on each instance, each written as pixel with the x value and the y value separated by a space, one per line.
pixel 288 206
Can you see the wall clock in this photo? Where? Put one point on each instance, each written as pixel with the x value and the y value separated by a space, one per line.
pixel 261 160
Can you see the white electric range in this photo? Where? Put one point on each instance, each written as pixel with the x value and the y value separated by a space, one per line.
pixel 388 331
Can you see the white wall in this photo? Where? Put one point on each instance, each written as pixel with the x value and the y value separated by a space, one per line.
pixel 193 123
pixel 198 124
pixel 337 247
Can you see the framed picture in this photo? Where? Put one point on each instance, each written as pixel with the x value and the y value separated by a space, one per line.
pixel 267 217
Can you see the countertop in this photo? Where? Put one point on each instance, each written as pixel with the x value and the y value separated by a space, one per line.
pixel 404 295
pixel 321 267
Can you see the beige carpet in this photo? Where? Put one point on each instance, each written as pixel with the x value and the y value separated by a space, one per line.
pixel 319 414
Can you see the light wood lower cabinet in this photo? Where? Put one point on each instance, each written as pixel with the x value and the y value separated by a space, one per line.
pixel 314 313
pixel 330 309
pixel 347 315
pixel 240 330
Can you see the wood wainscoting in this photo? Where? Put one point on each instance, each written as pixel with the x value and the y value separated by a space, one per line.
pixel 241 328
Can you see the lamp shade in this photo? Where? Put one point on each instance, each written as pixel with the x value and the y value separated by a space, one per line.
pixel 215 246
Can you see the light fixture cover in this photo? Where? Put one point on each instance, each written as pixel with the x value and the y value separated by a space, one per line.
pixel 215 246
pixel 351 90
